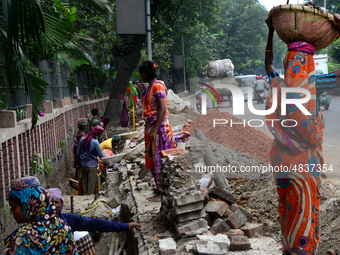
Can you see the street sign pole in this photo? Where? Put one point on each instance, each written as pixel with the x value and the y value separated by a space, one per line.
pixel 148 28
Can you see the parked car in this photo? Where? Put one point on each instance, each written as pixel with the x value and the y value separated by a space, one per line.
pixel 318 72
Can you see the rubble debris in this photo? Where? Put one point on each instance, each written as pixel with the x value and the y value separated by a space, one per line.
pixel 239 243
pixel 188 208
pixel 142 186
pixel 216 208
pixel 250 229
pixel 236 220
pixel 210 160
pixel 217 192
pixel 210 248
pixel 192 228
pixel 167 246
pixel 219 238
pixel 113 203
pixel 219 226
pixel 74 184
pixel 190 216
pixel 235 232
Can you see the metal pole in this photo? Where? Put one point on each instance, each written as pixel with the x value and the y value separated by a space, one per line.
pixel 325 4
pixel 71 203
pixel 148 28
pixel 183 59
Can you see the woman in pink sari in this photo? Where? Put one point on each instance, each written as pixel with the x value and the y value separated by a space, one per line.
pixel 158 132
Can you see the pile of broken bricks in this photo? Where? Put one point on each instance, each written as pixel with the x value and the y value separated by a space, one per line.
pixel 205 224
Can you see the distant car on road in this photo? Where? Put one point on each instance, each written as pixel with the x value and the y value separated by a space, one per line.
pixel 245 82
pixel 318 72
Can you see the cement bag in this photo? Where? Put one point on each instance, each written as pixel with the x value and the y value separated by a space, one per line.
pixel 219 69
pixel 303 23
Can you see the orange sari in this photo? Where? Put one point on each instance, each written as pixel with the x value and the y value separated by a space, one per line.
pixel 299 149
pixel 164 137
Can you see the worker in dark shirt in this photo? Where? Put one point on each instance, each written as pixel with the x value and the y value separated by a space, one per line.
pixel 78 223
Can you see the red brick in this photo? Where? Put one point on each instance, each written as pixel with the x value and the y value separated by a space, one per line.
pixel 173 152
pixel 216 208
pixel 236 220
pixel 217 192
pixel 192 228
pixel 235 232
pixel 251 228
pixel 219 226
pixel 239 243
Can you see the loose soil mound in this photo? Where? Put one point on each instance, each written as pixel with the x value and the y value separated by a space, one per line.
pixel 247 139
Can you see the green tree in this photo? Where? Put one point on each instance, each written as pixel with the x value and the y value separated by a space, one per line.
pixel 170 19
pixel 32 30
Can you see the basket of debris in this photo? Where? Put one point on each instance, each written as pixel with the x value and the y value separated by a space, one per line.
pixel 112 159
pixel 307 23
pixel 130 135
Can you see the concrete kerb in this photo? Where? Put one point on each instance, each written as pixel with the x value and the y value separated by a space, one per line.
pixel 23 125
pixel 8 119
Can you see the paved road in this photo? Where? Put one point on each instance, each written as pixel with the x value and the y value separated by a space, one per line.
pixel 331 133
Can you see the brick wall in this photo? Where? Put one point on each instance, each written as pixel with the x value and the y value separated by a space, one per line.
pixel 18 144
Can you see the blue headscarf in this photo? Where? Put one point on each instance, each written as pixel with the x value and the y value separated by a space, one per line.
pixel 41 231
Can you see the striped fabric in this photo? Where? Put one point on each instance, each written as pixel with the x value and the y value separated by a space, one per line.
pixel 84 245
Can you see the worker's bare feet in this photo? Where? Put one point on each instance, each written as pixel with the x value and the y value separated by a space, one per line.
pixel 156 198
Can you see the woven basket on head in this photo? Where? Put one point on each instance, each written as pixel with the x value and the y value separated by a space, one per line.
pixel 304 23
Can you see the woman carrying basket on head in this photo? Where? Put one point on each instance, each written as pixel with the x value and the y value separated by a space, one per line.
pixel 299 146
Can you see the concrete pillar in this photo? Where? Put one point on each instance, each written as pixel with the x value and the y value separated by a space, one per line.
pixel 81 98
pixel 8 119
pixel 86 98
pixel 92 97
pixel 74 100
pixel 48 107
pixel 29 110
pixel 67 101
pixel 59 103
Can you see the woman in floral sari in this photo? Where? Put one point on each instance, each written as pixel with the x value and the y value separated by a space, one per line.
pixel 158 132
pixel 41 231
pixel 297 146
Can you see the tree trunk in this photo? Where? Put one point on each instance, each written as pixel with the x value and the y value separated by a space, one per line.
pixel 125 64
pixel 177 80
pixel 162 75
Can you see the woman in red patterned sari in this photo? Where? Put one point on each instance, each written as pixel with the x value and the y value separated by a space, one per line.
pixel 297 146
pixel 158 132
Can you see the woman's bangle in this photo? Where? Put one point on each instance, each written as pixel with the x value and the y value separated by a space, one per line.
pixel 154 129
pixel 269 51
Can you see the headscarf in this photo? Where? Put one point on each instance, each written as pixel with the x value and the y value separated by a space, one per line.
pixel 302 46
pixel 103 121
pixel 116 138
pixel 132 93
pixel 56 194
pixel 82 122
pixel 41 232
pixel 93 133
